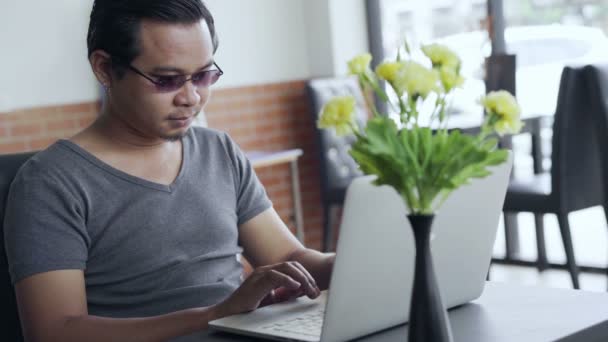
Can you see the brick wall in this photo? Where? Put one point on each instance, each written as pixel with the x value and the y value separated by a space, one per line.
pixel 35 129
pixel 265 117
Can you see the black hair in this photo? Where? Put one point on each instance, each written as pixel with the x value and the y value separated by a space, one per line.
pixel 114 24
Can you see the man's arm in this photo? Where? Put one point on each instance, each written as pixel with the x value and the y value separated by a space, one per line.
pixel 266 241
pixel 320 265
pixel 281 265
pixel 53 307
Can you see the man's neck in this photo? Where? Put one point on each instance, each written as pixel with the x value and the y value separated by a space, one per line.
pixel 109 132
pixel 154 160
pixel 112 129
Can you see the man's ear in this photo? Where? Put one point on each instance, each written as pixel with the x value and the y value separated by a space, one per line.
pixel 101 63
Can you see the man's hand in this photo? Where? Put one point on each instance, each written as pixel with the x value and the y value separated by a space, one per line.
pixel 270 284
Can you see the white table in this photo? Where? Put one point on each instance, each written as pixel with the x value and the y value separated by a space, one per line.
pixel 260 159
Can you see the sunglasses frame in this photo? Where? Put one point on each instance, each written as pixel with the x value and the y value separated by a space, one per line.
pixel 159 86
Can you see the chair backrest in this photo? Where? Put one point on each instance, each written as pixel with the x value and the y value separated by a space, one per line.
pixel 597 80
pixel 337 166
pixel 9 165
pixel 577 179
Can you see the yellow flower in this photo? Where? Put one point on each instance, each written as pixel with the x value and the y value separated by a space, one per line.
pixel 504 112
pixel 339 114
pixel 508 127
pixel 415 79
pixel 450 78
pixel 441 56
pixel 359 64
pixel 388 70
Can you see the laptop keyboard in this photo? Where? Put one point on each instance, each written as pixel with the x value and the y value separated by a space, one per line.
pixel 308 324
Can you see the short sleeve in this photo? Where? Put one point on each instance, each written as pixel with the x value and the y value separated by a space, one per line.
pixel 251 195
pixel 44 227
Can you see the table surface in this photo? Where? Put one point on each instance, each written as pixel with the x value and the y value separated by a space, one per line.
pixel 267 158
pixel 508 312
pixel 472 122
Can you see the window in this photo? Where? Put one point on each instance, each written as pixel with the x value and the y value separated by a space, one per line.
pixel 545 35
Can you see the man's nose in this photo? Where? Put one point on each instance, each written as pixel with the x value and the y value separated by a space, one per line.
pixel 188 95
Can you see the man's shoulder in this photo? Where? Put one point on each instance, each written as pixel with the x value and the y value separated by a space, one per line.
pixel 47 163
pixel 199 132
pixel 213 146
pixel 204 136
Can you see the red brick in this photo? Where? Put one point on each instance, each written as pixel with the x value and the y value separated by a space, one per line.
pixel 85 122
pixel 18 117
pixel 229 92
pixel 39 114
pixel 13 147
pixel 87 108
pixel 26 130
pixel 269 181
pixel 40 144
pixel 62 125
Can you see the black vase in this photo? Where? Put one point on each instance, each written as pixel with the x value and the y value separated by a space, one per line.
pixel 428 316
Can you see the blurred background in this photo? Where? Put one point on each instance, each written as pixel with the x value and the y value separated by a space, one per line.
pixel 270 50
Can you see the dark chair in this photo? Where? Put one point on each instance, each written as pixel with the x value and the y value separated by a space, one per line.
pixel 337 166
pixel 575 180
pixel 9 164
pixel 597 80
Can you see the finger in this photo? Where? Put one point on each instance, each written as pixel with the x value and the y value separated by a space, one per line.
pixel 296 273
pixel 270 280
pixel 283 294
pixel 274 279
pixel 268 299
pixel 311 279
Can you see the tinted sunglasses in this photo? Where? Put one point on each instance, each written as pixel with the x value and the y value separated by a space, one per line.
pixel 169 83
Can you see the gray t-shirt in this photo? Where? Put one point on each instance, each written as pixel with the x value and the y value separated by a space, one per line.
pixel 145 248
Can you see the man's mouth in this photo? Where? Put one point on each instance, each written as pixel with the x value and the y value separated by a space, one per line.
pixel 180 121
pixel 182 116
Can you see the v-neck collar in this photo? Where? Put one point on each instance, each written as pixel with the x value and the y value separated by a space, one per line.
pixel 128 177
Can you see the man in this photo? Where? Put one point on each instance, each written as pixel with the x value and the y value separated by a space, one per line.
pixel 130 230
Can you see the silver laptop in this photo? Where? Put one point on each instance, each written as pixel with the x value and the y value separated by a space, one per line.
pixel 373 272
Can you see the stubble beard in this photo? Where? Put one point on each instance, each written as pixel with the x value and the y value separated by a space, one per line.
pixel 175 137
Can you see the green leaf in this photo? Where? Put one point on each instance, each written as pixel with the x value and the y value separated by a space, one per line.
pixel 426 138
pixel 497 157
pixel 366 162
pixel 406 138
pixel 381 134
pixel 490 144
pixel 364 78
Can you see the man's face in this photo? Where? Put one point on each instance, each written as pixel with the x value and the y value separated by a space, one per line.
pixel 166 49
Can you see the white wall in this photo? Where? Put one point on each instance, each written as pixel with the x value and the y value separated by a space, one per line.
pixel 43 53
pixel 43 59
pixel 336 32
pixel 349 29
pixel 261 41
pixel 319 37
pixel 287 39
